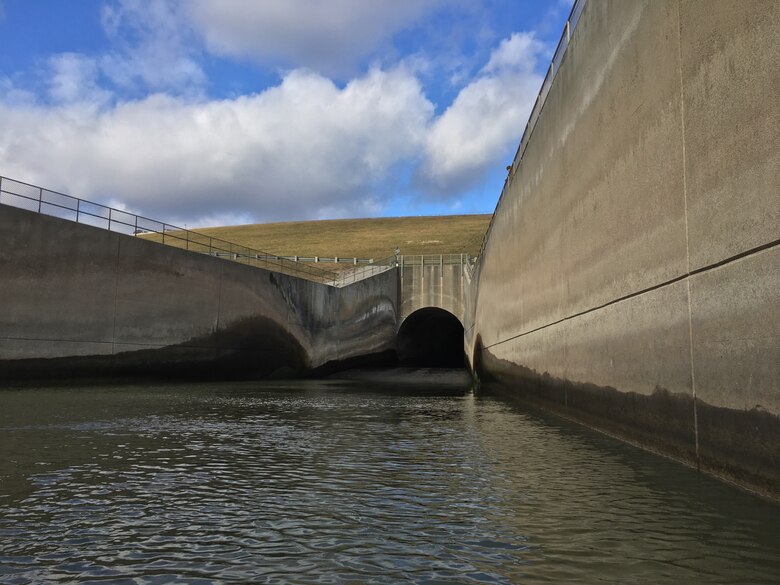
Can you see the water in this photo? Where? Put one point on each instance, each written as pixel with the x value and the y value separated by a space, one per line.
pixel 331 482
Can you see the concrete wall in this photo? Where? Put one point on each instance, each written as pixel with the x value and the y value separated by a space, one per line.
pixel 631 276
pixel 430 284
pixel 77 300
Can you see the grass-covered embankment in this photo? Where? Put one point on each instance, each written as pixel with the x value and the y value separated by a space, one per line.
pixel 363 238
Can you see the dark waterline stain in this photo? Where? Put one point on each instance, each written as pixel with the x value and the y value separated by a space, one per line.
pixel 741 446
pixel 255 347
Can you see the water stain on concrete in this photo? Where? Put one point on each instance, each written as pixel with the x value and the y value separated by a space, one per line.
pixel 256 347
pixel 741 446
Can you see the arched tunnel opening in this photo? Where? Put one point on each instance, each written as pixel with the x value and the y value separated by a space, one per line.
pixel 431 337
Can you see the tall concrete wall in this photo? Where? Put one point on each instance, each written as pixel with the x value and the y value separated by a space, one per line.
pixel 83 301
pixel 631 275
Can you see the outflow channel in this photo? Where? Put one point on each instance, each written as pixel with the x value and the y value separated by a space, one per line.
pixel 348 481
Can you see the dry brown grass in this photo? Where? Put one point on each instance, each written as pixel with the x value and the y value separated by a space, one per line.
pixel 363 238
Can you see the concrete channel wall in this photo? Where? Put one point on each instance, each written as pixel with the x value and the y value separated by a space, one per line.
pixel 431 281
pixel 77 300
pixel 631 278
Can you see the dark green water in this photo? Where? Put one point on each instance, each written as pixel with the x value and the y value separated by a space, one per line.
pixel 335 482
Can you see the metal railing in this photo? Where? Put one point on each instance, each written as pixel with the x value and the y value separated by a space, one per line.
pixel 433 260
pixel 544 91
pixel 349 276
pixel 401 261
pixel 48 202
pixel 552 70
pixel 328 259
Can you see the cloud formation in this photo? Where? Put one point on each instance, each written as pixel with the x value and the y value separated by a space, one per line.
pixel 73 78
pixel 486 117
pixel 134 126
pixel 330 37
pixel 305 148
pixel 154 47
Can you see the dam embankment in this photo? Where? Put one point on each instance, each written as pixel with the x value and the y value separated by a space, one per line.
pixel 82 301
pixel 630 277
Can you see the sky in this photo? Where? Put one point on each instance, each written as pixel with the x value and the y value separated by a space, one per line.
pixel 223 112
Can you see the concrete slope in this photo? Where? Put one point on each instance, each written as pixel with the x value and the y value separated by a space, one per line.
pixel 631 276
pixel 81 301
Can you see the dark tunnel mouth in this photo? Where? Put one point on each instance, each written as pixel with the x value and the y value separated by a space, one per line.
pixel 431 338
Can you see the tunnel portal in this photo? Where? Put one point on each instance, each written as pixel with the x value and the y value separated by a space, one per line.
pixel 431 337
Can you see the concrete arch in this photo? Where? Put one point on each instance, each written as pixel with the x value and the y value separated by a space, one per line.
pixel 431 281
pixel 431 337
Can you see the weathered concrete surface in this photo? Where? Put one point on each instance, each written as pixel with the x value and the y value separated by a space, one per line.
pixel 78 300
pixel 611 286
pixel 431 316
pixel 731 96
pixel 430 283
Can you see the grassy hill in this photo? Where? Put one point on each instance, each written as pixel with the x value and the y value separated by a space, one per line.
pixel 363 238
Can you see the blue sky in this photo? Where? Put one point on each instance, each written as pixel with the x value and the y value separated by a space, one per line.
pixel 213 112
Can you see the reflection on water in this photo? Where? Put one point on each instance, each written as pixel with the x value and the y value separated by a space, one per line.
pixel 332 482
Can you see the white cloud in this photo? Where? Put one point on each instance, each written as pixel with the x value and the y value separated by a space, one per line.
pixel 14 95
pixel 155 49
pixel 74 78
pixel 305 148
pixel 326 36
pixel 485 120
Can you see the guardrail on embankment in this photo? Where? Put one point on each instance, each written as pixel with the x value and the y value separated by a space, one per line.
pixel 45 201
pixel 326 259
pixel 434 259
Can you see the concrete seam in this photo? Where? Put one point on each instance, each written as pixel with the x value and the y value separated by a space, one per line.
pixel 713 266
pixel 338 328
pixel 219 307
pixel 687 235
pixel 48 339
pixel 133 344
pixel 116 294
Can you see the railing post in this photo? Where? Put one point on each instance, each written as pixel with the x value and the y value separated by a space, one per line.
pixel 78 209
pixel 135 229
pixel 568 32
pixel 40 198
pixel 109 218
pixel 210 246
pixel 187 245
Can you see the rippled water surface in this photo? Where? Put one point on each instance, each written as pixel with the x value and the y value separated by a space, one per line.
pixel 335 482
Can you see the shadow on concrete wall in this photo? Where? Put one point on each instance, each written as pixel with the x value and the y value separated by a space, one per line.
pixel 252 348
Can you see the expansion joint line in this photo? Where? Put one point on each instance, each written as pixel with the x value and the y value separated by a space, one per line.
pixel 116 295
pixel 671 281
pixel 687 235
